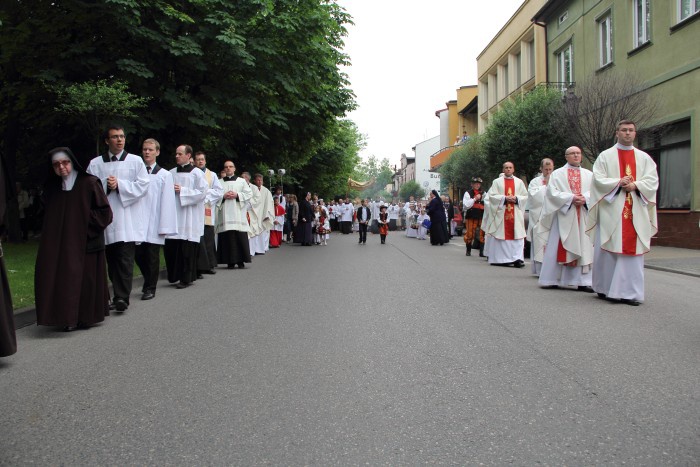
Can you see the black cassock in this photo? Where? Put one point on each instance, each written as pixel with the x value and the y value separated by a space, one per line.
pixel 71 272
pixel 303 233
pixel 438 227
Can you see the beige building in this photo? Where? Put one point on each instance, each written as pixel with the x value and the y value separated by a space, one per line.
pixel 514 62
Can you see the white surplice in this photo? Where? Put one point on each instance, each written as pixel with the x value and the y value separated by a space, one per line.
pixel 535 200
pixel 129 209
pixel 231 213
pixel 214 194
pixel 190 204
pixel 161 202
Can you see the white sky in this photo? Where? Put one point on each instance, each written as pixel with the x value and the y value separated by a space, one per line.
pixel 408 59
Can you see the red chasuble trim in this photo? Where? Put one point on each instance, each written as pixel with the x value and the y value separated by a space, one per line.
pixel 509 216
pixel 574 179
pixel 628 167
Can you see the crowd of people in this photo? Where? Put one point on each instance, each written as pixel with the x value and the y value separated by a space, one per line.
pixel 587 229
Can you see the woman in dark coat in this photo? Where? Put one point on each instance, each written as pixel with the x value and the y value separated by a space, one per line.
pixel 438 227
pixel 304 234
pixel 70 278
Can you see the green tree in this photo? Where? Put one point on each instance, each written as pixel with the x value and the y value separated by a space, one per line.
pixel 524 131
pixel 96 103
pixel 466 162
pixel 380 171
pixel 411 188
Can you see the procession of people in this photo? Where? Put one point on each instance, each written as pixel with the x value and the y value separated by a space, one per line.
pixel 588 229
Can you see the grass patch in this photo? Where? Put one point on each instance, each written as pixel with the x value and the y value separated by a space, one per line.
pixel 20 259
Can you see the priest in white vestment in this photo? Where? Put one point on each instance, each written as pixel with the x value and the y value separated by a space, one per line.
pixel 232 221
pixel 125 181
pixel 206 261
pixel 568 255
pixel 535 199
pixel 162 218
pixel 506 221
pixel 182 249
pixel 622 217
pixel 263 215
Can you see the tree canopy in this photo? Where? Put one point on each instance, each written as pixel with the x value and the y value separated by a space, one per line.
pixel 253 80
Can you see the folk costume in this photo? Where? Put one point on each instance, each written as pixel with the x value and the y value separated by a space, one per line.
pixel 70 275
pixel 506 226
pixel 130 217
pixel 622 223
pixel 181 250
pixel 232 225
pixel 206 261
pixel 162 221
pixel 383 224
pixel 568 255
pixel 535 200
pixel 473 217
pixel 278 228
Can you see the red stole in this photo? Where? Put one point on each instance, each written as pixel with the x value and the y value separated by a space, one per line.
pixel 509 216
pixel 628 167
pixel 574 178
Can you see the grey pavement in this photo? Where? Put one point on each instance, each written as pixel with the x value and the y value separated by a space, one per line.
pixel 349 354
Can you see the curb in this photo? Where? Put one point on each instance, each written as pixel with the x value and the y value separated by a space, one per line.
pixel 676 271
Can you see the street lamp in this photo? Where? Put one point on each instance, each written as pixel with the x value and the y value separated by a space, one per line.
pixel 271 173
pixel 281 173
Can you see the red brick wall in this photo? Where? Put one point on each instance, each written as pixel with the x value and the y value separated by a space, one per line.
pixel 678 229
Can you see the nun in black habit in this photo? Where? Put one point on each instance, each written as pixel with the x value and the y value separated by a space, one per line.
pixel 303 233
pixel 438 221
pixel 70 278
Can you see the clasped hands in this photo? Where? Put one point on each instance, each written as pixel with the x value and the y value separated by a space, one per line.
pixel 627 184
pixel 112 183
pixel 230 195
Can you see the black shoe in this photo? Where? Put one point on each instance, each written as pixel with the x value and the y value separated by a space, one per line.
pixel 585 288
pixel 550 286
pixel 602 295
pixel 120 304
pixel 111 306
pixel 69 328
pixel 199 276
pixel 230 266
pixel 182 285
pixel 209 271
pixel 630 302
pixel 519 263
pixel 241 266
pixel 148 296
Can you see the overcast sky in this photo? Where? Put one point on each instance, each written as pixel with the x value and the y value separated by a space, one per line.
pixel 408 59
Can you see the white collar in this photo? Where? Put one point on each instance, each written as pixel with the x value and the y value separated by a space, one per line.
pixel 623 147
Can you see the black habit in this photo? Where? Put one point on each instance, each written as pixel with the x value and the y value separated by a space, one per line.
pixel 438 227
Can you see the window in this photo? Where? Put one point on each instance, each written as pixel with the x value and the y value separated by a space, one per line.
pixel 605 39
pixel 669 146
pixel 565 72
pixel 687 8
pixel 531 50
pixel 642 21
pixel 564 16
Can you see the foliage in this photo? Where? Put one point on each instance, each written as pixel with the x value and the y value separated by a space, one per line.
pixel 254 80
pixel 592 109
pixel 411 188
pixel 381 171
pixel 96 103
pixel 524 131
pixel 467 162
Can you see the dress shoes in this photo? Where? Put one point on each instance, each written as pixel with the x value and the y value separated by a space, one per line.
pixel 69 328
pixel 241 266
pixel 519 263
pixel 585 288
pixel 182 285
pixel 199 276
pixel 630 302
pixel 550 287
pixel 148 296
pixel 209 271
pixel 111 306
pixel 120 304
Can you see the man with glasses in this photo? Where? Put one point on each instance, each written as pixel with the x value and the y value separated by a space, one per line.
pixel 125 181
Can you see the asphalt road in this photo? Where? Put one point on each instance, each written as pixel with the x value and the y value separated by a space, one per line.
pixel 378 354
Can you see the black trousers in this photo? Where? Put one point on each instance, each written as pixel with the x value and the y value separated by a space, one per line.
pixel 148 260
pixel 207 250
pixel 181 260
pixel 120 267
pixel 363 233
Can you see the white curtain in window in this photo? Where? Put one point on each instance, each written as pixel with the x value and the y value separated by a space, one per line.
pixel 674 178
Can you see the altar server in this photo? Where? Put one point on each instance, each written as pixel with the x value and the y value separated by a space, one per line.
pixel 535 200
pixel 232 223
pixel 206 261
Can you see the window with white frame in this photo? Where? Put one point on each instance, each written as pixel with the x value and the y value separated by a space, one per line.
pixel 605 39
pixel 687 8
pixel 642 21
pixel 565 65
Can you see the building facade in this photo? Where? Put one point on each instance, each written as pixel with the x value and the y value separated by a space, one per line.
pixel 656 40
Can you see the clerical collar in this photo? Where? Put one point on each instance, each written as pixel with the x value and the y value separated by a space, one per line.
pixel 203 169
pixel 185 168
pixel 623 147
pixel 508 176
pixel 572 166
pixel 230 179
pixel 118 156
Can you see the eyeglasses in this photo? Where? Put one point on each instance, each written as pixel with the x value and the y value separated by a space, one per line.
pixel 117 137
pixel 58 164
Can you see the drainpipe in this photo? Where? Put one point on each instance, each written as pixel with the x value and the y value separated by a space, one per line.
pixel 546 49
